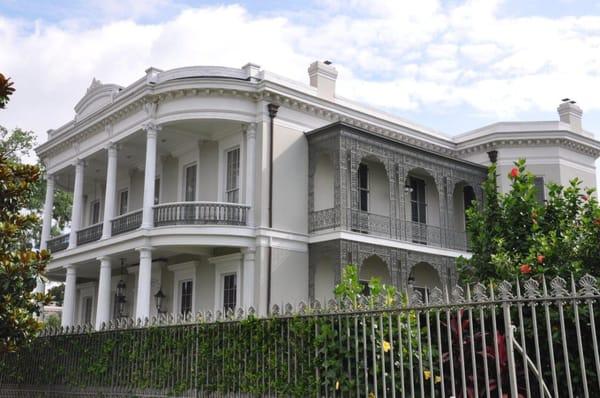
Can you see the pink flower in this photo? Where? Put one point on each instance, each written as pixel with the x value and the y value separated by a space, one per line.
pixel 525 269
pixel 514 173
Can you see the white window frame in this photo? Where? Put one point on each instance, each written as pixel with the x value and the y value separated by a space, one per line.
pixel 184 181
pixel 183 272
pixel 86 290
pixel 227 265
pixel 226 174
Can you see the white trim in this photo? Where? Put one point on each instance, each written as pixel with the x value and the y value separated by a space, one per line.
pixel 356 237
pixel 182 272
pixel 226 265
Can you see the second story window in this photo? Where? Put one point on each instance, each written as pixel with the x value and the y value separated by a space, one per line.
pixel 190 183
pixel 95 212
pixel 539 189
pixel 232 187
pixel 417 200
pixel 363 187
pixel 123 202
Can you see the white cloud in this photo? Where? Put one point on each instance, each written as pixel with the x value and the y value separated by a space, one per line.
pixel 404 56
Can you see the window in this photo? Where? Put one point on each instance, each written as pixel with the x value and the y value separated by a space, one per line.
pixel 123 202
pixel 363 187
pixel 157 191
pixel 95 212
pixel 87 310
pixel 539 188
pixel 468 199
pixel 229 291
pixel 417 200
pixel 232 186
pixel 190 183
pixel 186 289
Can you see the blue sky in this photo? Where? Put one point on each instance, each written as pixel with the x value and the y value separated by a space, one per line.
pixel 449 65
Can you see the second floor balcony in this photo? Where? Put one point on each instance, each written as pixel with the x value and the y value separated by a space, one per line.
pixel 191 179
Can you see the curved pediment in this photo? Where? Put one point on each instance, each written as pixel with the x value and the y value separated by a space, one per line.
pixel 97 96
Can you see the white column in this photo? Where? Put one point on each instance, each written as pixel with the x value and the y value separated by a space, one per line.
pixel 144 285
pixel 249 273
pixel 68 309
pixel 150 174
pixel 103 306
pixel 111 190
pixel 76 211
pixel 250 170
pixel 48 205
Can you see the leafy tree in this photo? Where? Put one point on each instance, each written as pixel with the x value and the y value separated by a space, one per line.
pixel 57 293
pixel 20 266
pixel 53 321
pixel 514 234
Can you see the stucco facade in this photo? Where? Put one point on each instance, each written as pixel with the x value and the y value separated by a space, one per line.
pixel 225 188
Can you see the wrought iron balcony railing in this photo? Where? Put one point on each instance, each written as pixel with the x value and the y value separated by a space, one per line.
pixel 200 213
pixel 126 222
pixel 89 234
pixel 387 227
pixel 58 243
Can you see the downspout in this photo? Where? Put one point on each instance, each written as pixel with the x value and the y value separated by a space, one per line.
pixel 272 108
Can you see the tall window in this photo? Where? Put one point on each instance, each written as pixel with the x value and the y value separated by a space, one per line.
pixel 417 200
pixel 190 183
pixel 539 188
pixel 87 310
pixel 95 212
pixel 186 289
pixel 232 188
pixel 156 191
pixel 229 291
pixel 123 202
pixel 468 198
pixel 363 187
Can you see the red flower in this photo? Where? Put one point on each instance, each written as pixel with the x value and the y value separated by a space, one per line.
pixel 540 258
pixel 585 197
pixel 525 269
pixel 514 173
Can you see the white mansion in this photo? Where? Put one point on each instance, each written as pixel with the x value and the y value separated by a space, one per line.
pixel 215 188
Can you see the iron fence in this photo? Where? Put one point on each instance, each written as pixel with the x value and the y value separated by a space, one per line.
pixel 193 213
pixel 89 234
pixel 526 339
pixel 58 243
pixel 126 222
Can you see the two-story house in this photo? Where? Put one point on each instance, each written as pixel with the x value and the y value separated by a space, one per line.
pixel 212 188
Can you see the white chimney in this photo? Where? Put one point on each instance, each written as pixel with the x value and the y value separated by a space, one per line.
pixel 570 113
pixel 322 76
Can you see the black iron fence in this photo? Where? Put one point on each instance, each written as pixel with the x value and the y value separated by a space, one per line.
pixel 530 339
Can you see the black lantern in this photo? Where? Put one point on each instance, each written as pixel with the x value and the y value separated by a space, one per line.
pixel 158 298
pixel 121 300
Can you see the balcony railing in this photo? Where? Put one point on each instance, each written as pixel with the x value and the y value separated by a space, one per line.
pixel 126 222
pixel 89 234
pixel 57 244
pixel 200 213
pixel 385 226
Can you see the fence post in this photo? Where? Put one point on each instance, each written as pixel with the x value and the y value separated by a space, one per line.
pixel 505 293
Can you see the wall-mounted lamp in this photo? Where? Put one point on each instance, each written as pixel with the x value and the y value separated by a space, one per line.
pixel 408 188
pixel 158 298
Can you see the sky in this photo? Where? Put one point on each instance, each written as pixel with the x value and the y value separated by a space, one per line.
pixel 452 65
